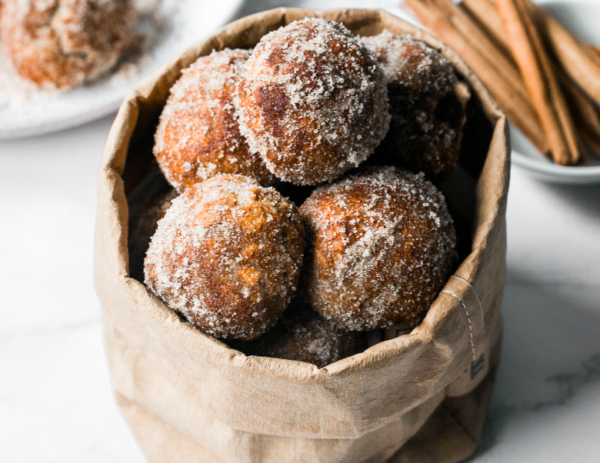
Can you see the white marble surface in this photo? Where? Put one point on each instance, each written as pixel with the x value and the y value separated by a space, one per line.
pixel 55 400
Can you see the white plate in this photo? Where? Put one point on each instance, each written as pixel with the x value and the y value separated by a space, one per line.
pixel 581 18
pixel 171 29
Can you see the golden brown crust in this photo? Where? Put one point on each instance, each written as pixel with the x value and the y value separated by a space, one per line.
pixel 63 43
pixel 227 256
pixel 198 135
pixel 427 115
pixel 381 246
pixel 313 101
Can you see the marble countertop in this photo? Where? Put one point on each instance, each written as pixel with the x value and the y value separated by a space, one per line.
pixel 56 404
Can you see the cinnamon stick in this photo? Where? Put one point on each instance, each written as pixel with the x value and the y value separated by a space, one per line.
pixel 575 57
pixel 484 13
pixel 591 140
pixel 482 43
pixel 484 59
pixel 546 95
pixel 584 112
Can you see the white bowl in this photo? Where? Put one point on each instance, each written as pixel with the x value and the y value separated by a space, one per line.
pixel 580 17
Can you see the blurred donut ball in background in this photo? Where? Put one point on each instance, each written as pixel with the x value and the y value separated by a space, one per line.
pixel 64 43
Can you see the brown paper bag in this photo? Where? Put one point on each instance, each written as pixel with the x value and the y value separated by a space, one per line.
pixel 421 397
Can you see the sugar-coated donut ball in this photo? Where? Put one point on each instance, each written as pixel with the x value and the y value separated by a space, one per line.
pixel 313 101
pixel 227 256
pixel 198 135
pixel 304 335
pixel 428 115
pixel 382 245
pixel 63 43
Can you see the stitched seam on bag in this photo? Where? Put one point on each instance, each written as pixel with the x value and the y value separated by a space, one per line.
pixel 474 290
pixel 468 319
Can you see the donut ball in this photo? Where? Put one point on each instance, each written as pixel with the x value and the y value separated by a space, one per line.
pixel 198 135
pixel 141 231
pixel 313 102
pixel 304 335
pixel 227 256
pixel 64 43
pixel 382 245
pixel 427 108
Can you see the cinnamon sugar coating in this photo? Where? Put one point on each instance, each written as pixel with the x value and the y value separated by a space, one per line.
pixel 313 102
pixel 427 115
pixel 381 247
pixel 227 256
pixel 302 334
pixel 198 135
pixel 63 43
